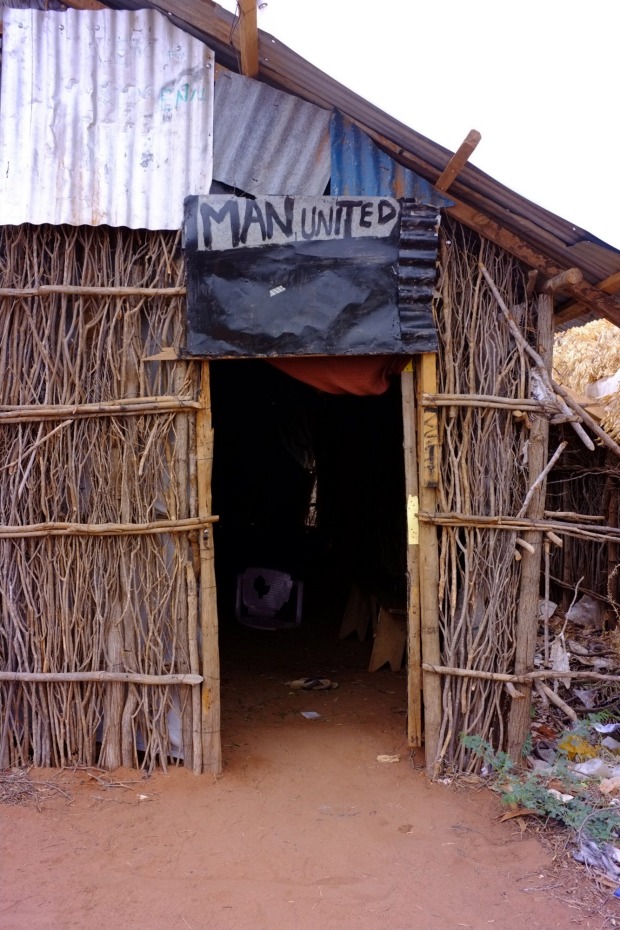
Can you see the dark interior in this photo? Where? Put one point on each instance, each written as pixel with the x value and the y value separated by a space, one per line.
pixel 307 483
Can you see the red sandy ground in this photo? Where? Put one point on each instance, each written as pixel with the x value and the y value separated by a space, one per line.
pixel 304 831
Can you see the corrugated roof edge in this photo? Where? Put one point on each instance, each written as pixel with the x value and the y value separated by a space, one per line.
pixel 555 237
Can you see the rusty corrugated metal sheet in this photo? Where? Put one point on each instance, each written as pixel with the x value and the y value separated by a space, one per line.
pixel 266 141
pixel 360 168
pixel 106 117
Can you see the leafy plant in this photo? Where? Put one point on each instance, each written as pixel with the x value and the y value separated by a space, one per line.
pixel 530 790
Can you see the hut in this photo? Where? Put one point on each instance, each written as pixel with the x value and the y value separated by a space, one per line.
pixel 422 457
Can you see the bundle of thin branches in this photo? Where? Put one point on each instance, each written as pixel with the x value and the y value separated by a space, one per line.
pixel 81 604
pixel 483 472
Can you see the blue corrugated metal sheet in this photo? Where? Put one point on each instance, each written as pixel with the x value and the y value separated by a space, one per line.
pixel 360 168
pixel 267 141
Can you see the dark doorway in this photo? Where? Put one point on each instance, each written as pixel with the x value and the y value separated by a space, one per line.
pixel 310 484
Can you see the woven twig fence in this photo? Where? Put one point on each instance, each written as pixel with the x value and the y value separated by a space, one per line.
pixel 483 473
pixel 76 603
pixel 584 483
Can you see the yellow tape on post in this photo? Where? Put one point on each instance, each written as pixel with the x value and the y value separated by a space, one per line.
pixel 413 523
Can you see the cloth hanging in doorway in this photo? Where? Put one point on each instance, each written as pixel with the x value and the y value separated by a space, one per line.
pixel 361 375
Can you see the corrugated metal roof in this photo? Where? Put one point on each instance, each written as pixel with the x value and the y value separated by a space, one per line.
pixel 106 117
pixel 557 238
pixel 267 141
pixel 360 168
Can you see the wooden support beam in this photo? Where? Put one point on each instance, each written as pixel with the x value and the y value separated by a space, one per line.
pixel 248 37
pixel 597 300
pixel 527 613
pixel 563 280
pixel 211 735
pixel 458 160
pixel 610 285
pixel 428 463
pixel 414 651
pixel 85 4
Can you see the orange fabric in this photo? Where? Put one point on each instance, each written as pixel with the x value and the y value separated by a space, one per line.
pixel 355 374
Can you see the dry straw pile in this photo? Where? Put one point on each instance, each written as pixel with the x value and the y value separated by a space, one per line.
pixel 584 354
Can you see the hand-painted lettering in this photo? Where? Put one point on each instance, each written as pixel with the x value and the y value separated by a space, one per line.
pixel 305 233
pixel 271 217
pixel 230 222
pixel 253 214
pixel 229 208
pixel 386 211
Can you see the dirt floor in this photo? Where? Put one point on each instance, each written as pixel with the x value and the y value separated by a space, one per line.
pixel 305 830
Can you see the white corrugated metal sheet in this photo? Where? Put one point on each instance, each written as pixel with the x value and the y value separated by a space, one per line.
pixel 105 117
pixel 267 141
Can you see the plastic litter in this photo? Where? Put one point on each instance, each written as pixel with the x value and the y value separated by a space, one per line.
pixel 385 758
pixel 310 714
pixel 601 856
pixel 610 785
pixel 564 798
pixel 593 767
pixel 546 609
pixel 586 612
pixel 575 746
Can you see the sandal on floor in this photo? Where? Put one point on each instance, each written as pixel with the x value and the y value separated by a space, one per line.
pixel 312 684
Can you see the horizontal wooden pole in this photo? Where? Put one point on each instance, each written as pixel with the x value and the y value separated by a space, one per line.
pixel 28 413
pixel 518 679
pixel 133 678
pixel 44 290
pixel 516 524
pixel 106 529
pixel 486 400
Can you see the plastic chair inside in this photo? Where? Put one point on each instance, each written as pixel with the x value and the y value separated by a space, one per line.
pixel 268 599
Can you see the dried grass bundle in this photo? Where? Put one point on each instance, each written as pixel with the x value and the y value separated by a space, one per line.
pixel 584 354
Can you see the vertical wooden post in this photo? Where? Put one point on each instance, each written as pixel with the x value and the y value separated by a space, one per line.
pixel 211 736
pixel 412 502
pixel 529 588
pixel 428 465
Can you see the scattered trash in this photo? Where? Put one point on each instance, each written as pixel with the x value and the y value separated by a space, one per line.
pixel 586 612
pixel 610 743
pixel 310 714
pixel 587 697
pixel 606 727
pixel 545 750
pixel 576 746
pixel 610 785
pixel 312 684
pixel 592 767
pixel 546 609
pixel 601 856
pixel 388 758
pixel 560 657
pixel 564 798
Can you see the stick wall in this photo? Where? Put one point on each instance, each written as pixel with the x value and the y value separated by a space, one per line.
pixel 113 603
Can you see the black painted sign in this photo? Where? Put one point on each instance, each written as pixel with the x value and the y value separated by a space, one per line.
pixel 289 276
